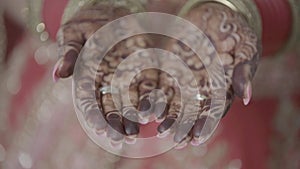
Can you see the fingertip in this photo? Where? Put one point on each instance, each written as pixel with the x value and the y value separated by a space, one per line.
pixel 164 134
pixel 248 94
pixel 165 125
pixel 198 127
pixel 143 120
pixel 55 76
pixel 118 145
pixel 130 140
pixel 181 145
pixel 195 142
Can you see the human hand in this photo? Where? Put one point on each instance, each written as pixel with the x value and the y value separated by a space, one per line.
pixel 238 49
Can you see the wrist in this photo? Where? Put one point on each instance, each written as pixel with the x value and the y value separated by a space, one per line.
pixel 276 22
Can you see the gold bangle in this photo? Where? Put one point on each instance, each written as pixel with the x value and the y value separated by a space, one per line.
pixel 247 8
pixel 294 38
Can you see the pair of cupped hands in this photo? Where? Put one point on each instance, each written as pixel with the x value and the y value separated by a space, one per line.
pixel 235 45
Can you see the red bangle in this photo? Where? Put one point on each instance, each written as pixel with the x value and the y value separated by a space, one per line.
pixel 277 22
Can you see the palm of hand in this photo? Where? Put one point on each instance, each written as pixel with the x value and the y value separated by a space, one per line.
pixel 236 46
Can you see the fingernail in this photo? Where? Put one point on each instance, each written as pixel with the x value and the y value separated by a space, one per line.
pixel 181 145
pixel 116 144
pixel 248 94
pixel 199 124
pixel 55 69
pixel 130 140
pixel 130 121
pixel 101 133
pixel 195 142
pixel 165 125
pixel 164 134
pixel 131 128
pixel 143 120
pixel 95 121
pixel 144 105
pixel 115 128
pixel 67 63
pixel 159 120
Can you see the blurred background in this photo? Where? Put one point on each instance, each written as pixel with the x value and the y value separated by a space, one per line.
pixel 39 128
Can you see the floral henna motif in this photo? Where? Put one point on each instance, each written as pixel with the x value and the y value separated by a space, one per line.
pixel 73 34
pixel 120 114
pixel 238 49
pixel 237 44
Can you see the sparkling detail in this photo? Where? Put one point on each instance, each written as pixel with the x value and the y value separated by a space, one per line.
pixel 200 97
pixel 25 160
pixel 40 27
pixel 108 90
pixel 44 36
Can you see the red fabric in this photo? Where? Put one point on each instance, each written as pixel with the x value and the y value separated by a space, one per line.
pixel 277 23
pixel 51 13
pixel 247 129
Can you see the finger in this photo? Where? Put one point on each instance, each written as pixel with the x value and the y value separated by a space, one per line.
pixel 141 85
pixel 199 124
pixel 172 117
pixel 70 42
pixel 130 114
pixel 246 62
pixel 242 77
pixel 129 111
pixel 163 97
pixel 130 120
pixel 190 114
pixel 115 129
pixel 161 110
pixel 184 142
pixel 208 117
pixel 95 120
pixel 85 91
pixel 148 82
pixel 183 130
pixel 71 37
pixel 74 33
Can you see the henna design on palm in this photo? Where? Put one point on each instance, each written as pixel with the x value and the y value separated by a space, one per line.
pixel 236 44
pixel 238 48
pixel 116 123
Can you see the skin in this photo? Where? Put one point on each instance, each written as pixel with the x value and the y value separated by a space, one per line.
pixel 237 47
pixel 236 44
